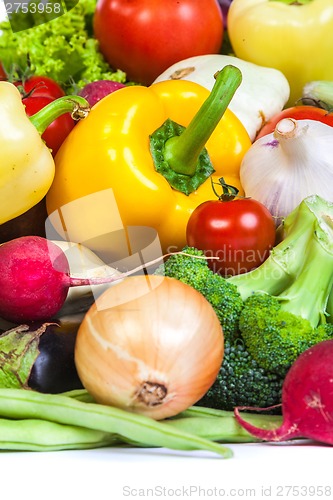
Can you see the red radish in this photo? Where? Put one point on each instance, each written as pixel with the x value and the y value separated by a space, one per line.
pixel 95 91
pixel 34 279
pixel 307 399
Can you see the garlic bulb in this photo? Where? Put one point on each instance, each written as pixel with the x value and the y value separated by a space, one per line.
pixel 283 168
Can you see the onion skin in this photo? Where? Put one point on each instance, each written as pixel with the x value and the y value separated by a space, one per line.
pixel 150 345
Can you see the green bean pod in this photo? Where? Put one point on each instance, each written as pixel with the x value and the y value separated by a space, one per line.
pixel 42 435
pixel 130 427
pixel 223 429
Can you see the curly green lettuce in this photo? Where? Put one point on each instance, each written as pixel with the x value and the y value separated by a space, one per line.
pixel 63 49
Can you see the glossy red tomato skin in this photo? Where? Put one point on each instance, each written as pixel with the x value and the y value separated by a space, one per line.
pixel 298 113
pixel 240 233
pixel 37 86
pixel 58 130
pixel 144 37
pixel 43 86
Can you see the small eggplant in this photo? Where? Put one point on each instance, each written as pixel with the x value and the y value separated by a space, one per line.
pixel 54 370
pixel 40 356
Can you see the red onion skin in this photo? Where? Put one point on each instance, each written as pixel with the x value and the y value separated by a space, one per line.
pixel 307 399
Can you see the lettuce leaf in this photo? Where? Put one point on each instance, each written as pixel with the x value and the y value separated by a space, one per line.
pixel 63 49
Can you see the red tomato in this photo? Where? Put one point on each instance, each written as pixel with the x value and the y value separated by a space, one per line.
pixel 3 74
pixel 145 37
pixel 56 133
pixel 41 86
pixel 240 233
pixel 298 113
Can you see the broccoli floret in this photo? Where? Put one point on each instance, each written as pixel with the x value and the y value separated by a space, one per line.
pixel 189 266
pixel 277 329
pixel 241 382
pixel 274 337
pixel 192 268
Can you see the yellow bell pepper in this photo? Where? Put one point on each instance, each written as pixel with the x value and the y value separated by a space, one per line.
pixel 122 146
pixel 26 164
pixel 294 37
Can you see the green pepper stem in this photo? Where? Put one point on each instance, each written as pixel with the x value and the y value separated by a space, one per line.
pixel 76 105
pixel 182 152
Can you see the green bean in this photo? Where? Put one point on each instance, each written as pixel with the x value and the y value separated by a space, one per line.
pixel 223 428
pixel 42 435
pixel 25 404
pixel 201 411
pixel 79 395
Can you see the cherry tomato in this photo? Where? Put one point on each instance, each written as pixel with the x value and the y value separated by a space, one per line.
pixel 56 133
pixel 145 37
pixel 37 86
pixel 240 233
pixel 298 113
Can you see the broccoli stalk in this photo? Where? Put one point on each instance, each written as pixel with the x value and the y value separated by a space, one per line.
pixel 308 295
pixel 329 307
pixel 277 329
pixel 287 258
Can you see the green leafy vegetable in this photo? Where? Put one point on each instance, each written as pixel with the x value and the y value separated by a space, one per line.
pixel 18 352
pixel 63 49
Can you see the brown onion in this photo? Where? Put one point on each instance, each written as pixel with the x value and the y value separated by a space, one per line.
pixel 150 345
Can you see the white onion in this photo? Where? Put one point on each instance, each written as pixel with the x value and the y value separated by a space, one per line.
pixel 150 345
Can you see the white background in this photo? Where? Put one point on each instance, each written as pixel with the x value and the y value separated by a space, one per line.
pixel 276 471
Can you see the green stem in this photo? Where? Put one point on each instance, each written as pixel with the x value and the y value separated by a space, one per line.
pixel 182 152
pixel 304 297
pixel 76 105
pixel 286 259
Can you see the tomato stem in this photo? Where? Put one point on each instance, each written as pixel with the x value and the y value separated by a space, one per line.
pixel 228 192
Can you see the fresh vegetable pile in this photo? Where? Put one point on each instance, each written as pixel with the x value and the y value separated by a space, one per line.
pixel 166 226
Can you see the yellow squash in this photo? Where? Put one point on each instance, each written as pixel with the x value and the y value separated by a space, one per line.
pixel 295 37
